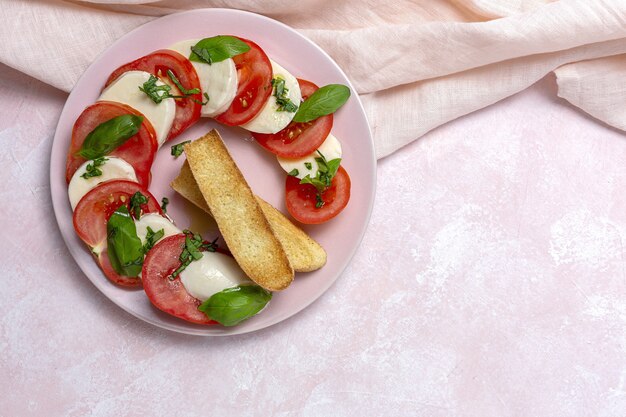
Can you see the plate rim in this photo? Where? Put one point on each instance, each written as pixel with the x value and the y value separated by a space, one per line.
pixel 208 330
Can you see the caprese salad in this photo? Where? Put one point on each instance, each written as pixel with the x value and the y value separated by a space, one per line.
pixel 155 98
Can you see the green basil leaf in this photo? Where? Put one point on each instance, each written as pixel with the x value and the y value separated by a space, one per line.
pixel 159 92
pixel 234 305
pixel 322 167
pixel 177 150
pixel 281 94
pixel 191 251
pixel 156 92
pixel 333 166
pixel 217 48
pixel 180 87
pixel 109 135
pixel 319 201
pixel 326 171
pixel 123 246
pixel 192 247
pixel 93 169
pixel 152 238
pixel 324 101
pixel 136 201
pixel 319 184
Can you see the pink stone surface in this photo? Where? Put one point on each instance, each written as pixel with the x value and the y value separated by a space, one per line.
pixel 490 283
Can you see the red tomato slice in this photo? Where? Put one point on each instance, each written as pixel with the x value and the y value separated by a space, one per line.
pixel 168 295
pixel 254 74
pixel 138 150
pixel 301 199
pixel 112 275
pixel 94 209
pixel 298 139
pixel 93 212
pixel 157 63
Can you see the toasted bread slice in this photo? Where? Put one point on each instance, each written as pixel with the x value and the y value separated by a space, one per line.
pixel 237 213
pixel 304 253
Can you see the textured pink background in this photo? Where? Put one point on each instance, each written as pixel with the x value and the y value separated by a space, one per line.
pixel 491 282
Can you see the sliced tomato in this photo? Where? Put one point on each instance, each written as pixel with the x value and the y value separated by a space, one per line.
pixel 92 214
pixel 254 77
pixel 138 150
pixel 95 208
pixel 157 63
pixel 298 139
pixel 112 275
pixel 302 198
pixel 169 295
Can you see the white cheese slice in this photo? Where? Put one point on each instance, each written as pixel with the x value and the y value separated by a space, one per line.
pixel 330 148
pixel 125 89
pixel 212 273
pixel 219 80
pixel 113 168
pixel 270 119
pixel 155 222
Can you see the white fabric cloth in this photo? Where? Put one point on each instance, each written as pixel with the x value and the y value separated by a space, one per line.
pixel 416 63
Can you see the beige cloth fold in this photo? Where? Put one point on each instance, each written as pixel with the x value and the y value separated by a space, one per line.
pixel 416 64
pixel 598 86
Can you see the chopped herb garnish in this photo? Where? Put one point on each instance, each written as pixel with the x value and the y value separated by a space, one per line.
pixel 136 201
pixel 164 202
pixel 177 150
pixel 308 165
pixel 193 251
pixel 93 169
pixel 326 171
pixel 294 172
pixel 158 93
pixel 280 92
pixel 152 238
pixel 316 181
pixel 180 87
pixel 319 203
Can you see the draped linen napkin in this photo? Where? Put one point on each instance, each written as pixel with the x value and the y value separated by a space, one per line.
pixel 415 63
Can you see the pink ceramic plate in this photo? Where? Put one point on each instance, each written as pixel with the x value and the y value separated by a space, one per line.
pixel 340 237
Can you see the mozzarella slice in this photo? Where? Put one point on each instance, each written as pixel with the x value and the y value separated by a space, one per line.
pixel 330 148
pixel 125 89
pixel 155 222
pixel 113 168
pixel 212 273
pixel 218 80
pixel 269 119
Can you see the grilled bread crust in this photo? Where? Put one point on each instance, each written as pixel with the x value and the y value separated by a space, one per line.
pixel 237 213
pixel 304 253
